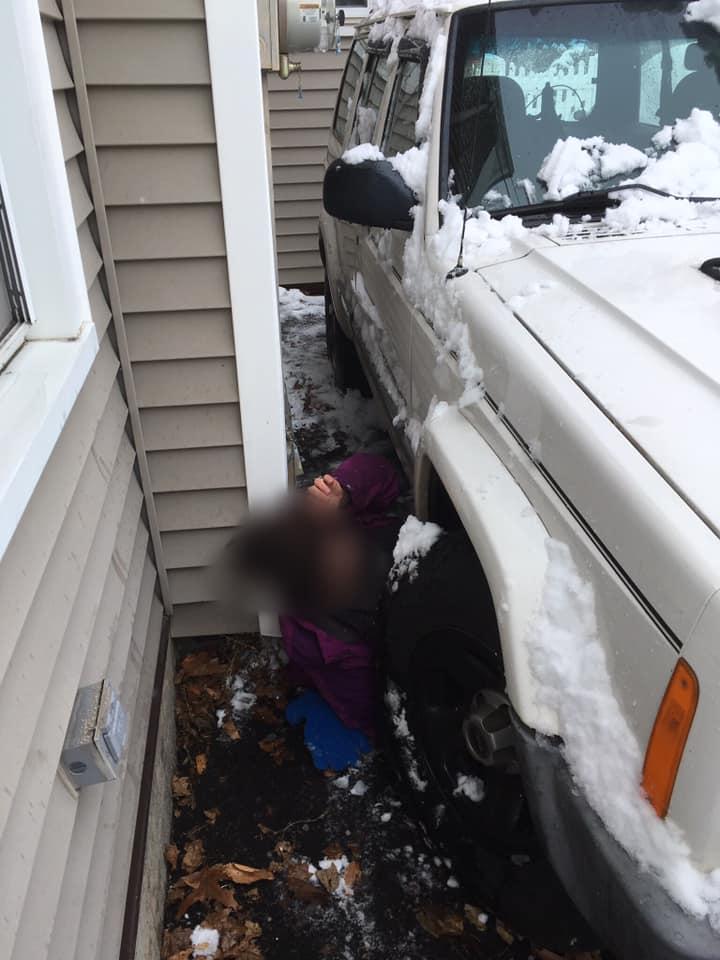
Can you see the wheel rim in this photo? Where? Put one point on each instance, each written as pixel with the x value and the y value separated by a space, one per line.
pixel 456 691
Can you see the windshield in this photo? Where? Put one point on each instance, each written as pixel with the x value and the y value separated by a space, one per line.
pixel 525 77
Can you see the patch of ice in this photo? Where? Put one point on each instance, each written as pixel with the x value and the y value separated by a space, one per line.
pixel 603 754
pixel 415 540
pixel 471 787
pixel 704 11
pixel 205 941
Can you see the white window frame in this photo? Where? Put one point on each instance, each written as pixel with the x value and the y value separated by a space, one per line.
pixel 44 363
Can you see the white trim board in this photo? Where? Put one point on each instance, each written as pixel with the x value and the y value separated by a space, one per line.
pixel 233 42
pixel 37 391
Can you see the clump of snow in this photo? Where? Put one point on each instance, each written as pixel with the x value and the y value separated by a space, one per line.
pixel 394 700
pixel 527 292
pixel 574 165
pixel 243 699
pixel 415 539
pixel 341 864
pixel 471 787
pixel 603 754
pixel 704 11
pixel 385 817
pixel 359 789
pixel 361 153
pixel 412 167
pixel 342 782
pixel 453 883
pixel 220 714
pixel 205 941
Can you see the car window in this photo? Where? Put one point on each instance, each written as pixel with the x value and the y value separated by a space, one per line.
pixel 399 134
pixel 344 107
pixel 372 91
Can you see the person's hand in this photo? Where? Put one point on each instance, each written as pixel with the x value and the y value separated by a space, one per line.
pixel 327 492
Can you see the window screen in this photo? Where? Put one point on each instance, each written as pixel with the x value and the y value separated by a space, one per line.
pixel 13 306
pixel 399 133
pixel 346 97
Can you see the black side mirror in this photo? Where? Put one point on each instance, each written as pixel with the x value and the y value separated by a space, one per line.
pixel 371 193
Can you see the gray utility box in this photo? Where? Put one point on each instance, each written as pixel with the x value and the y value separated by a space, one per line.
pixel 96 736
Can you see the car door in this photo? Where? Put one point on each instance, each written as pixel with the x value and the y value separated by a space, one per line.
pixel 384 303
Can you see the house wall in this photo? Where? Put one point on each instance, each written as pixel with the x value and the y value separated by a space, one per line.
pixel 79 602
pixel 299 131
pixel 148 80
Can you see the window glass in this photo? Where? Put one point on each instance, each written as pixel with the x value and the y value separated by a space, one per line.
pixel 399 133
pixel 346 96
pixel 528 77
pixel 372 91
pixel 13 306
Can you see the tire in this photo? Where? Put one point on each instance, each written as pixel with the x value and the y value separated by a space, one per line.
pixel 444 666
pixel 347 370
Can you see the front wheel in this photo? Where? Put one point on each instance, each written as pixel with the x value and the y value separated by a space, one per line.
pixel 347 370
pixel 453 740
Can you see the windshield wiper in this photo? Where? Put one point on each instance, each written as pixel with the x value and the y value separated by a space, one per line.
pixel 589 201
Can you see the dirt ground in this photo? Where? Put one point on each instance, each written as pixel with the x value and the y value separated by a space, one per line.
pixel 284 862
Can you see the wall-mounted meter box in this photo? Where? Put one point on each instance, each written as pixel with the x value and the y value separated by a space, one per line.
pixel 296 26
pixel 96 737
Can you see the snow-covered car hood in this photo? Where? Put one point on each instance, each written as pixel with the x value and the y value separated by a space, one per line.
pixel 637 326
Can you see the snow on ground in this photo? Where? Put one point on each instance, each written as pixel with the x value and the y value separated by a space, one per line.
pixel 328 425
pixel 415 539
pixel 603 754
pixel 205 941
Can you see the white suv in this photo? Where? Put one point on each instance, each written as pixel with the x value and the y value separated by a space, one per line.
pixel 522 248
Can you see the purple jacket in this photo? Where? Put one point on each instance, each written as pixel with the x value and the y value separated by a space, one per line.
pixel 342 672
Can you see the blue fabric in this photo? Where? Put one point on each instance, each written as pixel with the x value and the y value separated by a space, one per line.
pixel 332 745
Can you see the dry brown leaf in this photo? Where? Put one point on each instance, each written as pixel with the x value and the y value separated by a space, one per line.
pixel 181 787
pixel 205 887
pixel 503 932
pixel 275 747
pixel 267 714
pixel 212 815
pixel 230 729
pixel 440 921
pixel 333 851
pixel 300 886
pixel 201 763
pixel 239 873
pixel 329 878
pixel 473 914
pixel 200 664
pixel 171 855
pixel 352 874
pixel 194 856
pixel 175 944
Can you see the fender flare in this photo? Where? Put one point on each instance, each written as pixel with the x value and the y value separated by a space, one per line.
pixel 509 539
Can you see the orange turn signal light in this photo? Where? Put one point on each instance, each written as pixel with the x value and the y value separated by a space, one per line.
pixel 669 736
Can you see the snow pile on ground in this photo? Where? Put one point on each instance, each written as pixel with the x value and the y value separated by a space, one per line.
pixel 471 787
pixel 205 941
pixel 329 425
pixel 243 699
pixel 573 165
pixel 414 541
pixel 704 11
pixel 569 663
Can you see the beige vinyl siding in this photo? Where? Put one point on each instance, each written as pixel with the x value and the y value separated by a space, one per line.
pixel 299 132
pixel 148 78
pixel 72 615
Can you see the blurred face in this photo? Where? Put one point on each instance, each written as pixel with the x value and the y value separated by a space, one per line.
pixel 340 565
